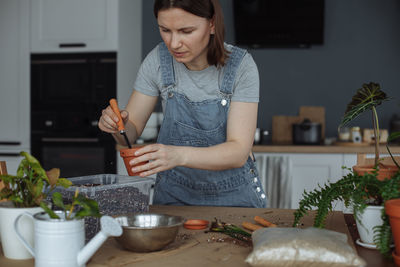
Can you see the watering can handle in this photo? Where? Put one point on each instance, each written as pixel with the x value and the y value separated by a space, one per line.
pixel 23 241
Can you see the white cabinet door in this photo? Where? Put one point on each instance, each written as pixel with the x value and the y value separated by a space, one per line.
pixel 74 25
pixel 306 172
pixel 12 161
pixel 349 160
pixel 311 170
pixel 14 74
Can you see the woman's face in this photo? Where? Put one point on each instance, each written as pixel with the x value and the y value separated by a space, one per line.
pixel 186 36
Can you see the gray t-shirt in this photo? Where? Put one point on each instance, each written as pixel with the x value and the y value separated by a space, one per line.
pixel 198 85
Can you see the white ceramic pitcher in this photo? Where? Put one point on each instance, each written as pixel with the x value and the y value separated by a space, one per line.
pixel 60 242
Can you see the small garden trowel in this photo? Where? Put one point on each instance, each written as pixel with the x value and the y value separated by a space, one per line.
pixel 121 127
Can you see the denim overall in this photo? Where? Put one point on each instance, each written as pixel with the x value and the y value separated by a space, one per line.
pixel 202 124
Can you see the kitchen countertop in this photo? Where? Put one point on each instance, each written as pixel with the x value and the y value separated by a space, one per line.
pixel 342 149
pixel 197 248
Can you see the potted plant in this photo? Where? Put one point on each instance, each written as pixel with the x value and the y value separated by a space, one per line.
pixel 24 191
pixel 367 98
pixel 364 188
pixel 361 192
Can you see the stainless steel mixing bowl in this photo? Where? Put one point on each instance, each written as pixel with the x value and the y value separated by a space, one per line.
pixel 148 232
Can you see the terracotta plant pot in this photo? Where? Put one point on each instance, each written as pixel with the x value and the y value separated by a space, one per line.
pixel 392 209
pixel 396 259
pixel 127 155
pixel 387 171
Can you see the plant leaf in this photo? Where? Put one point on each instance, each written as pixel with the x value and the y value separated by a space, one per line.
pixel 51 213
pixel 21 167
pixel 53 176
pixel 64 182
pixel 58 200
pixel 393 136
pixel 31 159
pixel 368 96
pixel 89 207
pixel 38 188
pixel 7 178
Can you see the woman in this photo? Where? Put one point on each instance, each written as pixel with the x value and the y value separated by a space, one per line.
pixel 209 93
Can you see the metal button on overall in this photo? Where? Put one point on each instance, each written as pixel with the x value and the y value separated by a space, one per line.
pixel 262 195
pixel 170 94
pixel 224 102
pixel 258 189
pixel 255 180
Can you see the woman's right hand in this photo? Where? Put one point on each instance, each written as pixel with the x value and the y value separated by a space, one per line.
pixel 108 120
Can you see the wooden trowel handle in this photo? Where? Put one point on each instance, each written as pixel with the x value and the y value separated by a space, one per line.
pixel 114 106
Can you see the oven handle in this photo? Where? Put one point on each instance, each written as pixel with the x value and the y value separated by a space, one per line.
pixel 70 140
pixel 9 154
pixel 58 61
pixel 10 143
pixel 71 45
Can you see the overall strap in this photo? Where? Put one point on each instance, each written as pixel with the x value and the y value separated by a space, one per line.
pixel 166 64
pixel 231 67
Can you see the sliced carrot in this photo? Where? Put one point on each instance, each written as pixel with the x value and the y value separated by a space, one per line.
pixel 264 222
pixel 251 226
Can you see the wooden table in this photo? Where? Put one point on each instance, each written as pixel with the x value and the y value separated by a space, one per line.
pixel 196 248
pixel 371 256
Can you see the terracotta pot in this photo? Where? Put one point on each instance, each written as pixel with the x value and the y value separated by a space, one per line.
pixel 127 155
pixel 396 259
pixel 392 209
pixel 387 171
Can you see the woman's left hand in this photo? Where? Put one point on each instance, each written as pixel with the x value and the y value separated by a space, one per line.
pixel 160 158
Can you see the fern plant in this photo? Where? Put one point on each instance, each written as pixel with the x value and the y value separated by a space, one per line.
pixel 357 191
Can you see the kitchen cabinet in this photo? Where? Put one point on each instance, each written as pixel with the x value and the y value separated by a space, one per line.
pixel 14 76
pixel 312 170
pixel 74 25
pixel 12 160
pixel 101 26
pixel 307 171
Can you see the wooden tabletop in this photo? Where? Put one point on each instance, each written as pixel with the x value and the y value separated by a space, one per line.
pixel 196 248
pixel 371 256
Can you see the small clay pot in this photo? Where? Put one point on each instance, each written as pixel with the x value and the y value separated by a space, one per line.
pixel 383 172
pixel 396 258
pixel 127 155
pixel 392 209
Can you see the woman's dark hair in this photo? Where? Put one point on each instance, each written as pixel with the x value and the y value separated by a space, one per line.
pixel 209 9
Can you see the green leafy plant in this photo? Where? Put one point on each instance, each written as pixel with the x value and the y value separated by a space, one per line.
pixel 368 97
pixel 357 191
pixel 80 207
pixel 31 184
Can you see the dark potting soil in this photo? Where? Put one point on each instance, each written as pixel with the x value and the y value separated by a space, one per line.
pixel 112 201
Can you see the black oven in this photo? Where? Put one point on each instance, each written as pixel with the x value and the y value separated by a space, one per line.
pixel 75 156
pixel 68 92
pixel 79 82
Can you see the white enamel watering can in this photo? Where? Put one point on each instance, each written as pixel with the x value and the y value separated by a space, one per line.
pixel 60 242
